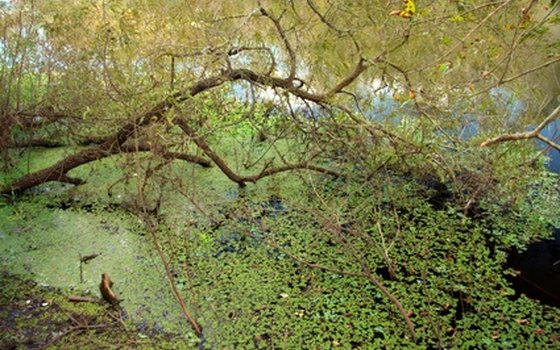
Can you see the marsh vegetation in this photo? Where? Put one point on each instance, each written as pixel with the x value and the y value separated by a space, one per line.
pixel 276 174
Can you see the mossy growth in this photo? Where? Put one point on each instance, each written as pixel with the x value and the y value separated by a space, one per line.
pixel 35 317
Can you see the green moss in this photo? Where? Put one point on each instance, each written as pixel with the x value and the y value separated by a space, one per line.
pixel 46 245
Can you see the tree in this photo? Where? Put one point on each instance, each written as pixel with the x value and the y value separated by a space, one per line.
pixel 131 63
pixel 353 91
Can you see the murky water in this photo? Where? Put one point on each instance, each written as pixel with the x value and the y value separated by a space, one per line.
pixel 539 268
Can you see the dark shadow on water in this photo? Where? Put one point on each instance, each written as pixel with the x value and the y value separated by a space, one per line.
pixel 539 270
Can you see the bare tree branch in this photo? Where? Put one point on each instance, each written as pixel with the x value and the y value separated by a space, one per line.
pixel 535 133
pixel 340 32
pixel 286 42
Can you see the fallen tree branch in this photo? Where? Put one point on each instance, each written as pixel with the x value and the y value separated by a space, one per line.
pixel 82 299
pixel 50 143
pixel 57 172
pixel 46 143
pixel 36 119
pixel 287 167
pixel 287 84
pixel 114 143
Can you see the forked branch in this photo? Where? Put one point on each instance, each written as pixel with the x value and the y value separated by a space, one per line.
pixel 240 179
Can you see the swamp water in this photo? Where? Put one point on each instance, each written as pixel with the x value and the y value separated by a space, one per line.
pixel 43 236
pixel 43 241
pixel 539 270
pixel 45 244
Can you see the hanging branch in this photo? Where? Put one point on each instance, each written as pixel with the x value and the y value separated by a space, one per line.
pixel 535 133
pixel 144 147
pixel 340 32
pixel 151 228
